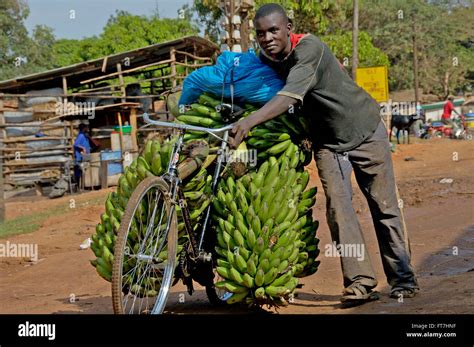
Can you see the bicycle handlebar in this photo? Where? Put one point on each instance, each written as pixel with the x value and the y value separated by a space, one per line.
pixel 210 131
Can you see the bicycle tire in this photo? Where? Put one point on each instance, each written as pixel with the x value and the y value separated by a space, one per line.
pixel 136 200
pixel 217 297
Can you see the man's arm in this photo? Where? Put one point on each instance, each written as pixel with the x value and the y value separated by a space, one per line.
pixel 276 106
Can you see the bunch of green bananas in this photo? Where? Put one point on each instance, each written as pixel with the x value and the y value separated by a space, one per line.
pixel 283 135
pixel 204 113
pixel 265 232
pixel 153 161
pixel 280 137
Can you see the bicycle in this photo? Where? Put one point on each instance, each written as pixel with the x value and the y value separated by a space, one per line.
pixel 143 276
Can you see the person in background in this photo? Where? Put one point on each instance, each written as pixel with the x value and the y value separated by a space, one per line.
pixel 418 125
pixel 81 147
pixel 448 109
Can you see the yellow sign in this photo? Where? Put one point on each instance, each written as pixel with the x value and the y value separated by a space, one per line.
pixel 374 80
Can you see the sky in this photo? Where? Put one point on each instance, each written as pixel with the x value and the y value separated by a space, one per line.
pixel 91 15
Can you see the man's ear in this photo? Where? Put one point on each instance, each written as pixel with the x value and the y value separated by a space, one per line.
pixel 289 26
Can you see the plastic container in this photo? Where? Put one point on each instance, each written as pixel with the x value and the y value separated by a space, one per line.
pixel 114 169
pixel 114 166
pixel 126 129
pixel 110 155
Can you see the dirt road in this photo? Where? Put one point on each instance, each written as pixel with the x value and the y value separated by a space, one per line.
pixel 439 217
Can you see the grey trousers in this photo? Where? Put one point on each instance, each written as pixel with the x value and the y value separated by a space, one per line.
pixel 373 169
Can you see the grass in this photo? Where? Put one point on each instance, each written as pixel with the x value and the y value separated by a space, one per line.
pixel 32 222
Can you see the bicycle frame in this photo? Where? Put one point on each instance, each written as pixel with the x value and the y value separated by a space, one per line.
pixel 172 177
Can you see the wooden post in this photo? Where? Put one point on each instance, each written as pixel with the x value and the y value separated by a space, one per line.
pixel 152 92
pixel 71 136
pixel 2 198
pixel 415 62
pixel 231 24
pixel 133 123
pixel 244 30
pixel 119 118
pixel 355 39
pixel 122 84
pixel 65 89
pixel 186 62
pixel 104 168
pixel 173 67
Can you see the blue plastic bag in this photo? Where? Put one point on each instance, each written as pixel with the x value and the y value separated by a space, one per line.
pixel 254 82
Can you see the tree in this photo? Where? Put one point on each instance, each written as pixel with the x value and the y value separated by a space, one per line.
pixel 308 15
pixel 341 46
pixel 20 54
pixel 42 51
pixel 331 20
pixel 123 32
pixel 443 63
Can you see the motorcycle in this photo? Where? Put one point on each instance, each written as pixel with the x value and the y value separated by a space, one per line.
pixel 458 130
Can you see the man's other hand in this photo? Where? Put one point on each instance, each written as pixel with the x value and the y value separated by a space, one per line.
pixel 239 132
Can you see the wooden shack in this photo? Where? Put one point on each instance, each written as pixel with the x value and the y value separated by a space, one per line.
pixel 40 113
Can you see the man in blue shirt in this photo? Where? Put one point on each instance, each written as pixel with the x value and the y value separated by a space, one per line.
pixel 81 147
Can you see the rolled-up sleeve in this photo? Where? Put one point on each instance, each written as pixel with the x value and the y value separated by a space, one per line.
pixel 303 75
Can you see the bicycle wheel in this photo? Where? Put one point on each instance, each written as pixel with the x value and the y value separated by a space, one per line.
pixel 145 251
pixel 216 296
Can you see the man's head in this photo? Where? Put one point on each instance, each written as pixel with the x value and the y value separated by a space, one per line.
pixel 450 97
pixel 273 30
pixel 83 128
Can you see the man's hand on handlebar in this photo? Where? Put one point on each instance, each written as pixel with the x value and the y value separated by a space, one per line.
pixel 239 132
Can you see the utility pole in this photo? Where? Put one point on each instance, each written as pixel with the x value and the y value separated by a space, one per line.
pixel 415 62
pixel 355 38
pixel 2 196
pixel 236 34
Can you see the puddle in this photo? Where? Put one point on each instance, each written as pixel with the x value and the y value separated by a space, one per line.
pixel 451 261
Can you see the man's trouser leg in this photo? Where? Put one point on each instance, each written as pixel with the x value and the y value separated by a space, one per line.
pixel 373 168
pixel 335 174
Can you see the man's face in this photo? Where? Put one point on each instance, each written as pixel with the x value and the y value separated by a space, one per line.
pixel 272 34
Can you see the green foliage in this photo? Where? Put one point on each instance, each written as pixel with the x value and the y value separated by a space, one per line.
pixel 444 63
pixel 325 18
pixel 123 32
pixel 341 46
pixel 19 53
pixel 139 31
pixel 444 34
pixel 308 15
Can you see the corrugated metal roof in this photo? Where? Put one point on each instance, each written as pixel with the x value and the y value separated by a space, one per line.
pixel 93 68
pixel 440 105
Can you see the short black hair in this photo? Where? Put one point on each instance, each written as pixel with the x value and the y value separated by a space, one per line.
pixel 269 9
pixel 83 126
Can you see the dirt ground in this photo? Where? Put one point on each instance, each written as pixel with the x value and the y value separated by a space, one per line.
pixel 439 217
